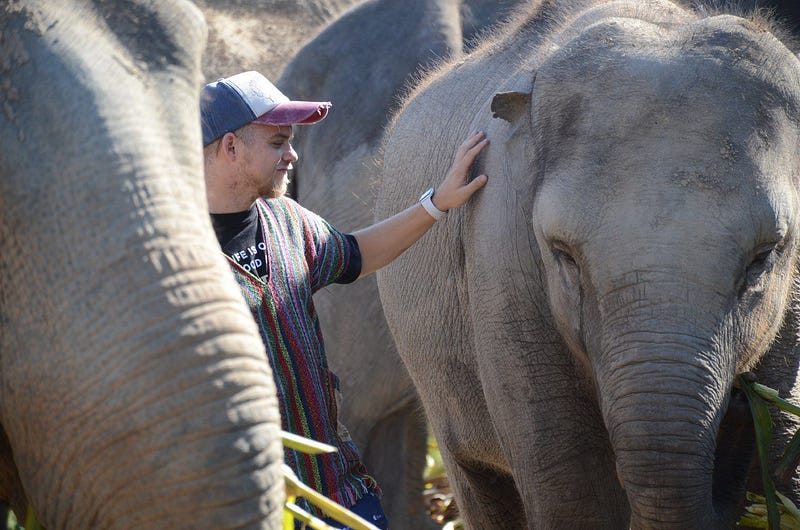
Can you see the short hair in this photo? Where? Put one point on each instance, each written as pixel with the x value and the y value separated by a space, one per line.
pixel 244 133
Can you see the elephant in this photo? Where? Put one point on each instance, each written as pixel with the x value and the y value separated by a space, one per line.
pixel 134 387
pixel 575 332
pixel 261 35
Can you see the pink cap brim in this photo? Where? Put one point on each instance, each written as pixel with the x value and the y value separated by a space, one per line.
pixel 295 113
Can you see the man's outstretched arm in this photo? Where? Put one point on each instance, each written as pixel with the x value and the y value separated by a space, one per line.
pixel 382 242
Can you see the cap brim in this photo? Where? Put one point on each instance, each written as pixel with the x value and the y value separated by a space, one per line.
pixel 295 113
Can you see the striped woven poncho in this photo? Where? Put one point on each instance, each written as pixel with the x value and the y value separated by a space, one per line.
pixel 304 253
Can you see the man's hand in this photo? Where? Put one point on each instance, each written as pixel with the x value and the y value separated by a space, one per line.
pixel 454 189
pixel 383 242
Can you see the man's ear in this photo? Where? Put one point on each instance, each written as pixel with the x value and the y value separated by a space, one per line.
pixel 228 146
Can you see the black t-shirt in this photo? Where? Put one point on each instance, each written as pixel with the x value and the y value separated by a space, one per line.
pixel 240 236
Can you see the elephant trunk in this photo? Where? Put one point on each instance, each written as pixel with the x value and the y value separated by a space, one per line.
pixel 135 378
pixel 152 409
pixel 683 444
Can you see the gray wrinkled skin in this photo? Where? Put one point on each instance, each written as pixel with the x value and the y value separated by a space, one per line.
pixel 261 35
pixel 134 391
pixel 362 62
pixel 575 330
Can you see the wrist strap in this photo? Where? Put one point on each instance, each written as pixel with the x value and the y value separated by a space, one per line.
pixel 434 212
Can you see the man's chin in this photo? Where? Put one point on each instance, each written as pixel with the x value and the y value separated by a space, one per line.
pixel 278 191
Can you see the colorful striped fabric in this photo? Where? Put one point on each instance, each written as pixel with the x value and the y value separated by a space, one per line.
pixel 304 254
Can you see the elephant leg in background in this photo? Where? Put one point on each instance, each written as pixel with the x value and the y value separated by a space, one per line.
pixel 485 492
pixel 486 498
pixel 380 406
pixel 403 432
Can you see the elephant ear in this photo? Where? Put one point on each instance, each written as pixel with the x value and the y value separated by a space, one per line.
pixel 511 136
pixel 510 105
pixel 515 103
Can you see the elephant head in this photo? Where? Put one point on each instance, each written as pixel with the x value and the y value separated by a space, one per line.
pixel 134 390
pixel 666 214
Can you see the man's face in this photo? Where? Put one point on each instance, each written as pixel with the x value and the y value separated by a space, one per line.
pixel 267 159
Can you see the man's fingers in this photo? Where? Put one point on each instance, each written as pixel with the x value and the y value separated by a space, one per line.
pixel 455 181
pixel 469 189
pixel 478 147
pixel 465 158
pixel 471 141
pixel 477 183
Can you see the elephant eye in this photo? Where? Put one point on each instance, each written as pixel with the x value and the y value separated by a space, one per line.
pixel 761 263
pixel 562 254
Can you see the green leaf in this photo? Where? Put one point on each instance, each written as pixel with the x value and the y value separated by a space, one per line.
pixel 752 521
pixel 763 427
pixel 789 506
pixel 789 460
pixel 11 521
pixel 771 395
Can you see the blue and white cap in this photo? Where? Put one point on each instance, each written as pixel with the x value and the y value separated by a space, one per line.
pixel 233 102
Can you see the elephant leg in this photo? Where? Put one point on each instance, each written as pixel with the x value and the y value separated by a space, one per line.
pixel 401 433
pixel 577 488
pixel 487 498
pixel 485 491
pixel 556 443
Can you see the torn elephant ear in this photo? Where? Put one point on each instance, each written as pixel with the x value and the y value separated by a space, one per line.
pixel 510 105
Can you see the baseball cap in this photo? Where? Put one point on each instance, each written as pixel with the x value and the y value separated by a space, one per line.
pixel 232 102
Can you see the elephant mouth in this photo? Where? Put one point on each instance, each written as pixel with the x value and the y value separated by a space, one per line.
pixel 736 447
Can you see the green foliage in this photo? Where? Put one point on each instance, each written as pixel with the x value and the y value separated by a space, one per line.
pixel 772 510
pixel 11 522
pixel 755 515
pixel 30 521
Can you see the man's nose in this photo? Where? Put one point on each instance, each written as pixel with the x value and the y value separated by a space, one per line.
pixel 290 155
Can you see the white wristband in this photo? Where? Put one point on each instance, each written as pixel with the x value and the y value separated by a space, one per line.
pixel 427 203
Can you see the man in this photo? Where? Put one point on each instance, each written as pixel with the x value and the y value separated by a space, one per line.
pixel 281 253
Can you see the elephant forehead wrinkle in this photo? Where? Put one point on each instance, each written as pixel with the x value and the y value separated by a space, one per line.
pixel 643 304
pixel 667 273
pixel 704 180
